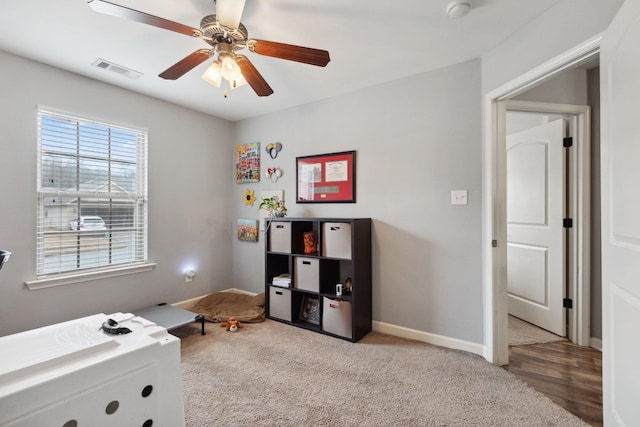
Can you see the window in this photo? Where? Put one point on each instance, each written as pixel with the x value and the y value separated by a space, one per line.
pixel 92 196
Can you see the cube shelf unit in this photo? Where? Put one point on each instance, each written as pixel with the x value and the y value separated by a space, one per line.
pixel 343 251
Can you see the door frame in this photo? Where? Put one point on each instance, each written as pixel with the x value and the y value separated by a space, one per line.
pixel 494 210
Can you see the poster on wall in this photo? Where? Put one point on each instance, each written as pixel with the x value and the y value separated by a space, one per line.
pixel 248 163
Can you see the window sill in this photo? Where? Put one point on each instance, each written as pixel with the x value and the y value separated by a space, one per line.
pixel 85 277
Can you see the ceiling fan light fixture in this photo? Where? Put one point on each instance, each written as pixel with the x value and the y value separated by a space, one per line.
pixel 230 70
pixel 229 12
pixel 213 75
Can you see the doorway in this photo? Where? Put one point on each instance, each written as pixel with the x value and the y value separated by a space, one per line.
pixel 545 146
pixel 495 257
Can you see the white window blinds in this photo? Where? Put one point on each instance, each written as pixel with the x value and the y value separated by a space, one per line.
pixel 92 195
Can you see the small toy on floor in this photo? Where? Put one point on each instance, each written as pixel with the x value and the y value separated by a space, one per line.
pixel 232 324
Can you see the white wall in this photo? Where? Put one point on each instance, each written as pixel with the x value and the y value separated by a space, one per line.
pixel 189 175
pixel 416 140
pixel 559 29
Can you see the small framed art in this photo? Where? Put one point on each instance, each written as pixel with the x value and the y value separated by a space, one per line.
pixel 248 230
pixel 310 310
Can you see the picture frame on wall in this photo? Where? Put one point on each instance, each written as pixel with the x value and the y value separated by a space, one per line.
pixel 248 163
pixel 326 178
pixel 248 230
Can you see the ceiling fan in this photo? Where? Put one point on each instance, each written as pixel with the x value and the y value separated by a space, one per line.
pixel 226 35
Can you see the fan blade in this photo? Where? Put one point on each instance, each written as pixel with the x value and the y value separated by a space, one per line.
pixel 181 67
pixel 290 52
pixel 135 15
pixel 253 77
pixel 229 12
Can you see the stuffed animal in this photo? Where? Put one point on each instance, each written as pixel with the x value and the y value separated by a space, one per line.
pixel 232 324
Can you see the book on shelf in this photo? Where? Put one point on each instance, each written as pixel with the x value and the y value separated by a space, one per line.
pixel 282 280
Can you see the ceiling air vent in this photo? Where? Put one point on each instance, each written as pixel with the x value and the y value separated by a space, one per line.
pixel 118 69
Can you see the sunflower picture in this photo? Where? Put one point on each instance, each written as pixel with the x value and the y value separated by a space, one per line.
pixel 249 198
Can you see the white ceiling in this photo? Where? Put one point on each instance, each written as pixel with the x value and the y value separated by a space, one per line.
pixel 370 42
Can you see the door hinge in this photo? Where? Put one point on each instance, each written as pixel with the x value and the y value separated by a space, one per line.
pixel 567 222
pixel 567 303
pixel 494 243
pixel 567 142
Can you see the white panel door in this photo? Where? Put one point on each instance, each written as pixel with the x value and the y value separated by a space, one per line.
pixel 535 236
pixel 620 174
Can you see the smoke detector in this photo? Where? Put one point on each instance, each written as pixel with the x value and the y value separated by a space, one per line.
pixel 458 9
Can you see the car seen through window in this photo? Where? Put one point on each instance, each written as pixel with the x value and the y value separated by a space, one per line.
pixel 87 223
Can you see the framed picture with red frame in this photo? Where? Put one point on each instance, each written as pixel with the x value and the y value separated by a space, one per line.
pixel 326 178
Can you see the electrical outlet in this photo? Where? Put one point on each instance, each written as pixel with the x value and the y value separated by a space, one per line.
pixel 188 276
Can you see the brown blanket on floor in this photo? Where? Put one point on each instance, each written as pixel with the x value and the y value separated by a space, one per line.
pixel 218 307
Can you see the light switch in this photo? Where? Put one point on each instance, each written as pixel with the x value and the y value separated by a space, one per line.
pixel 459 197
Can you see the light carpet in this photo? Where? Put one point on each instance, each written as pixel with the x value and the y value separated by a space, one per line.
pixel 524 333
pixel 273 374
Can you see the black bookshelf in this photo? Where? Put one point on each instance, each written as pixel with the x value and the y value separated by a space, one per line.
pixel 342 253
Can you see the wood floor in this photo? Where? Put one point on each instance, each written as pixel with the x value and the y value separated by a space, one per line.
pixel 569 374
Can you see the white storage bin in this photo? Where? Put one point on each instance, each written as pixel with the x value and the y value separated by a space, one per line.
pixel 280 237
pixel 306 274
pixel 336 317
pixel 280 303
pixel 336 240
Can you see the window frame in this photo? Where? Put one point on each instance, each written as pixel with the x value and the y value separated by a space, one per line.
pixel 136 236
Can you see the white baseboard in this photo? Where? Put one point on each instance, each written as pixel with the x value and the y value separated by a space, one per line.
pixel 385 328
pixel 239 291
pixel 595 343
pixel 187 304
pixel 440 340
